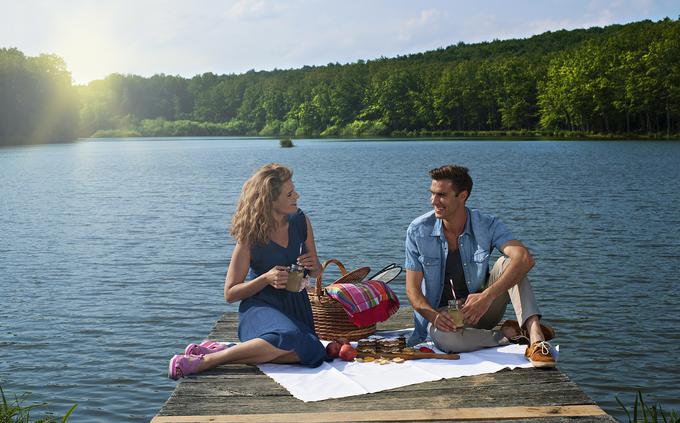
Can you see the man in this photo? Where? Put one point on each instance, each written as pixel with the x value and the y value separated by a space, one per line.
pixel 447 258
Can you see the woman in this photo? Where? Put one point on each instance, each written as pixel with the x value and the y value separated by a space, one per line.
pixel 275 325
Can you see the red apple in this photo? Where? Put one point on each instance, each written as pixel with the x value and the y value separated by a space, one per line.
pixel 333 349
pixel 347 352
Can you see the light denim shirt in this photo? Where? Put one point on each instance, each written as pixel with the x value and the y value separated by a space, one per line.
pixel 427 248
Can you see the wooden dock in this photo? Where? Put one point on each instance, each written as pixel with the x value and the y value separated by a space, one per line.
pixel 242 393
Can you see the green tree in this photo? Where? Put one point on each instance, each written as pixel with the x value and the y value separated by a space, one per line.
pixel 37 101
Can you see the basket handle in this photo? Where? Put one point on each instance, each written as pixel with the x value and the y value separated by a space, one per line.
pixel 319 278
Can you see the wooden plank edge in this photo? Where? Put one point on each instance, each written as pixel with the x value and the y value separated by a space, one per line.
pixel 451 414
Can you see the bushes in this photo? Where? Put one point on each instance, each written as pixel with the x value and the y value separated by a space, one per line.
pixel 179 128
pixel 364 128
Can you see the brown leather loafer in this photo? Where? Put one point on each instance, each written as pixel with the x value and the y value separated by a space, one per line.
pixel 540 356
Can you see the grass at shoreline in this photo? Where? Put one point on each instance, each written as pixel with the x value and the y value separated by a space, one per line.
pixel 643 412
pixel 15 411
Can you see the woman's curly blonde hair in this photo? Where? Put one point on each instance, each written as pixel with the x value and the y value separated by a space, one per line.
pixel 253 222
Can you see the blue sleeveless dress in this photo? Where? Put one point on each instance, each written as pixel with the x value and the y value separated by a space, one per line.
pixel 280 317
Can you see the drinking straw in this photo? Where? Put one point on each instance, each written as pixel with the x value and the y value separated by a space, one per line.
pixel 301 245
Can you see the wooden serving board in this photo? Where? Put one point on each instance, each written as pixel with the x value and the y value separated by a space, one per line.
pixel 416 355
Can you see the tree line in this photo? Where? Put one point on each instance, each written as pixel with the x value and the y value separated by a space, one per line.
pixel 618 80
pixel 37 101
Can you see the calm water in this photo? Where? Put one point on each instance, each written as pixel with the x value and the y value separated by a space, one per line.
pixel 113 252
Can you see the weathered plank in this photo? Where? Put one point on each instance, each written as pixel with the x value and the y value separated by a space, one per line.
pixel 449 414
pixel 243 393
pixel 390 400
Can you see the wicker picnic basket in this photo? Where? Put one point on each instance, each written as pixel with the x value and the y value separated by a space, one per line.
pixel 331 321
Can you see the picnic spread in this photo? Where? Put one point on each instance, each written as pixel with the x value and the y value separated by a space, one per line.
pixel 339 379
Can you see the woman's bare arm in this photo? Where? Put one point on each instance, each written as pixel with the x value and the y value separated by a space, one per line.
pixel 234 287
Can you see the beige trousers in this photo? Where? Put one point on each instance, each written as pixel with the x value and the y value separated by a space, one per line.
pixel 482 334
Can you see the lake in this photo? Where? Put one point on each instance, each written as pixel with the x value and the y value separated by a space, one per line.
pixel 113 252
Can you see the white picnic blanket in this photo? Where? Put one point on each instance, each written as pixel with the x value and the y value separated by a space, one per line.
pixel 338 379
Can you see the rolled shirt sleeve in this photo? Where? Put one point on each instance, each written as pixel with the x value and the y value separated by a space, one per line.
pixel 411 262
pixel 500 234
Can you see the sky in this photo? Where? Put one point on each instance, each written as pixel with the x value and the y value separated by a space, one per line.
pixel 187 38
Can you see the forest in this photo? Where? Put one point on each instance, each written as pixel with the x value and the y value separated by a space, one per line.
pixel 619 81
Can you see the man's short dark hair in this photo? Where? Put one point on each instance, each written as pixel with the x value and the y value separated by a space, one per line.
pixel 458 175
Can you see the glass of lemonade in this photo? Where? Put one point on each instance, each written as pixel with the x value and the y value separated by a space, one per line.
pixel 456 313
pixel 295 275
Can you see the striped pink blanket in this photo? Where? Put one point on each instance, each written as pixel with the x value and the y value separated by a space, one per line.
pixel 366 302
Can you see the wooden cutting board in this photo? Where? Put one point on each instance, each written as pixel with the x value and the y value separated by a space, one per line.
pixel 417 355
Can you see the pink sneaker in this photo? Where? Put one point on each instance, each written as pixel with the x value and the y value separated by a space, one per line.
pixel 183 365
pixel 205 347
pixel 216 346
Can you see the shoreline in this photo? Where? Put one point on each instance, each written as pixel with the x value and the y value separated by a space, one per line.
pixel 528 135
pixel 486 137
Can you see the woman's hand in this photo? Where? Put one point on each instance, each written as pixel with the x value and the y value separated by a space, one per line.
pixel 309 261
pixel 277 277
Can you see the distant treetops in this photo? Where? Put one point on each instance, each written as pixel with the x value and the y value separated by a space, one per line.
pixel 621 79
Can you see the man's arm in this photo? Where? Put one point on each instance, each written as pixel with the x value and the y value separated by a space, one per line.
pixel 419 303
pixel 520 264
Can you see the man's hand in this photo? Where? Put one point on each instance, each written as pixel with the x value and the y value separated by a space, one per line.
pixel 443 322
pixel 475 307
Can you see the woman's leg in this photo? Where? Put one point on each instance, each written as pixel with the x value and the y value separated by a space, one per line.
pixel 254 351
pixel 290 357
